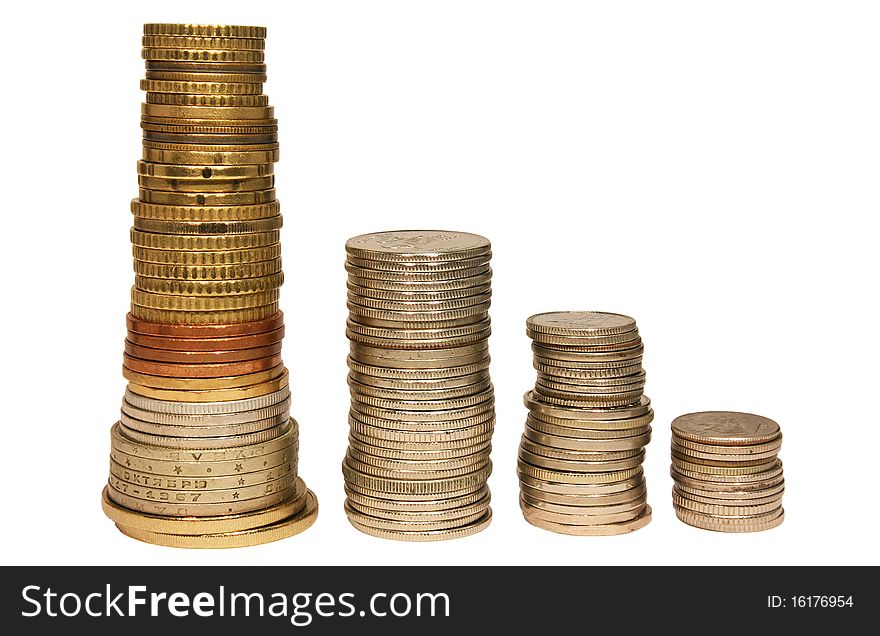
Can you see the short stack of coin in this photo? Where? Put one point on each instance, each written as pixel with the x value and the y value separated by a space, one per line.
pixel 205 452
pixel 727 474
pixel 580 458
pixel 422 403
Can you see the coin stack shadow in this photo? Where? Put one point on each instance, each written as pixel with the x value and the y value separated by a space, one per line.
pixel 422 403
pixel 727 475
pixel 205 452
pixel 580 458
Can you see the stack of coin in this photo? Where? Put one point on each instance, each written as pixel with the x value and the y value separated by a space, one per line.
pixel 422 404
pixel 727 474
pixel 580 459
pixel 205 452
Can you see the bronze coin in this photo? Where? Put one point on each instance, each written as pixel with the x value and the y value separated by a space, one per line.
pixel 226 370
pixel 168 330
pixel 234 343
pixel 197 357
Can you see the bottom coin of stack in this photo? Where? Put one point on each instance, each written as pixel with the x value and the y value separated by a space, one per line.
pixel 205 451
pixel 422 403
pixel 580 459
pixel 727 475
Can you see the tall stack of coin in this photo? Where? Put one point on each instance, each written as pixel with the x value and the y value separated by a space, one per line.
pixel 205 452
pixel 422 404
pixel 580 459
pixel 727 474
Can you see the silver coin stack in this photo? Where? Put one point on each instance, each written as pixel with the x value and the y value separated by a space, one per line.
pixel 422 403
pixel 580 459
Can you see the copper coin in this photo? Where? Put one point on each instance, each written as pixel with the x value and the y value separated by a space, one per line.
pixel 234 343
pixel 200 370
pixel 197 357
pixel 147 328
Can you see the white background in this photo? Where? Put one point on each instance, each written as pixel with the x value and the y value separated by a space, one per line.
pixel 710 168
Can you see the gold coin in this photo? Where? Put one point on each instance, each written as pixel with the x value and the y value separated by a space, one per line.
pixel 538 429
pixel 212 258
pixel 208 112
pixel 593 530
pixel 204 173
pixel 206 199
pixel 204 186
pixel 237 213
pixel 201 42
pixel 201 87
pixel 239 56
pixel 197 78
pixel 185 317
pixel 209 287
pixel 205 30
pixel 256 269
pixel 212 395
pixel 202 303
pixel 182 99
pixel 214 482
pixel 288 527
pixel 207 157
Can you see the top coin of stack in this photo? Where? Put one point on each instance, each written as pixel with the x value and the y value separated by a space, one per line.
pixel 205 453
pixel 580 459
pixel 727 474
pixel 422 404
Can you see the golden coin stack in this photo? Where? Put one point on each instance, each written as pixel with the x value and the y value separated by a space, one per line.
pixel 205 452
pixel 422 404
pixel 580 458
pixel 727 474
